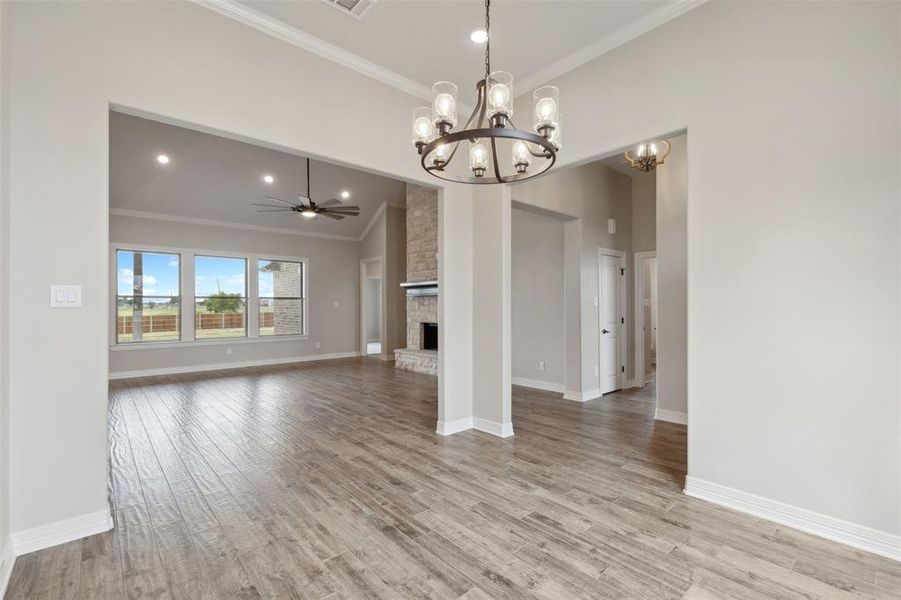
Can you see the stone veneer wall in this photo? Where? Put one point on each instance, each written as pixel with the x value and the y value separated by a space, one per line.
pixel 422 258
pixel 422 265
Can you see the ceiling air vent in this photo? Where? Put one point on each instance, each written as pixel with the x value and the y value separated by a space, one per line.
pixel 357 8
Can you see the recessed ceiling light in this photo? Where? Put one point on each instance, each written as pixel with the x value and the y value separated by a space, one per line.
pixel 345 195
pixel 162 159
pixel 268 178
pixel 479 36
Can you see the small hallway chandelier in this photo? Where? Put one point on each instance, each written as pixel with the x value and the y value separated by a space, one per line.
pixel 646 157
pixel 491 122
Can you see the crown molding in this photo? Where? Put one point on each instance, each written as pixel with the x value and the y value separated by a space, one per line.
pixel 124 212
pixel 372 221
pixel 612 40
pixel 281 30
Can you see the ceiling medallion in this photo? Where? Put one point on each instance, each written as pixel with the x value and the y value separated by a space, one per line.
pixel 488 126
pixel 646 157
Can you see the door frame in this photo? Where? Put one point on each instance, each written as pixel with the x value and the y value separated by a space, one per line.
pixel 363 341
pixel 621 303
pixel 639 316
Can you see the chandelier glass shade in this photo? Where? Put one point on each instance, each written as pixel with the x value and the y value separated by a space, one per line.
pixel 647 158
pixel 498 151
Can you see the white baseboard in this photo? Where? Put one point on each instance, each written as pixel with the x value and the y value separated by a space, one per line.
pixel 503 430
pixel 577 396
pixel 7 561
pixel 537 384
pixel 230 365
pixel 452 427
pixel 831 528
pixel 61 532
pixel 672 416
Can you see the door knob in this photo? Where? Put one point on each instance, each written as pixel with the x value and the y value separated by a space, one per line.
pixel 605 331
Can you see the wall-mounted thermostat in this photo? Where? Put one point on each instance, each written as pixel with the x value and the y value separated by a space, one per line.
pixel 611 225
pixel 65 296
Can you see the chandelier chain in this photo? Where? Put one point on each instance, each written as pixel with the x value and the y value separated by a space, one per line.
pixel 488 40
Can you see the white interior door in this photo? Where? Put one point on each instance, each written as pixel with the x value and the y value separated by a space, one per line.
pixel 611 322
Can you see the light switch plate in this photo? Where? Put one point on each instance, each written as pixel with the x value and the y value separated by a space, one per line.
pixel 65 296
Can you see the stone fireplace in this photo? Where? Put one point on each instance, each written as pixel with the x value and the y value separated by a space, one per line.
pixel 422 266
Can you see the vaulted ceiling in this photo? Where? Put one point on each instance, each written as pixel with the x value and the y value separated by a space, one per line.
pixel 412 44
pixel 213 178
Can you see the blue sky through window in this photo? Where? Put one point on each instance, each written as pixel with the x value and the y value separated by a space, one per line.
pixel 160 273
pixel 213 274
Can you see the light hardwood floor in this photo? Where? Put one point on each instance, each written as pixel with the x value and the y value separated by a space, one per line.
pixel 327 480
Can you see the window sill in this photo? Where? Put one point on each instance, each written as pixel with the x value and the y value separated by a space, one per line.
pixel 128 346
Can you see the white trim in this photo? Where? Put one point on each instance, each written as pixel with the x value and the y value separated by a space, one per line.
pixel 7 562
pixel 502 430
pixel 60 532
pixel 638 367
pixel 140 214
pixel 578 396
pixel 281 30
pixel 452 427
pixel 537 384
pixel 671 416
pixel 129 346
pixel 831 528
pixel 375 217
pixel 612 40
pixel 231 365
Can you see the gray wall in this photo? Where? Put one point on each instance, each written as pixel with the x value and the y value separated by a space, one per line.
pixel 333 277
pixel 644 212
pixel 672 283
pixel 587 196
pixel 537 296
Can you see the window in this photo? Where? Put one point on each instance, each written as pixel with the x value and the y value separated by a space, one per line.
pixel 148 298
pixel 281 297
pixel 220 297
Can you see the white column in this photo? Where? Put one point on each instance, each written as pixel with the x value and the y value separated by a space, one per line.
pixel 491 371
pixel 455 305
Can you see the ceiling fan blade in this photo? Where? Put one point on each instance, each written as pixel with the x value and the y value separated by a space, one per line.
pixel 305 200
pixel 269 205
pixel 346 213
pixel 344 208
pixel 331 215
pixel 274 199
pixel 275 210
pixel 330 202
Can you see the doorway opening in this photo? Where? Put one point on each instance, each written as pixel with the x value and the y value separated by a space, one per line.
pixel 371 290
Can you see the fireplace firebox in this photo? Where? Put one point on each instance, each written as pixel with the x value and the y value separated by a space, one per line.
pixel 429 336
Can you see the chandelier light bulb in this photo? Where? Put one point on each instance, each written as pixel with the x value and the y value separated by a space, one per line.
pixel 444 106
pixel 546 109
pixel 642 150
pixel 423 127
pixel 653 149
pixel 499 95
pixel 439 156
pixel 521 156
pixel 478 158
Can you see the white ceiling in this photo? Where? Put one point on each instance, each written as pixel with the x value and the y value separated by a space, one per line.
pixel 214 178
pixel 413 43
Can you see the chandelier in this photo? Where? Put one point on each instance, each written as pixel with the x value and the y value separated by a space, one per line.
pixel 646 157
pixel 489 126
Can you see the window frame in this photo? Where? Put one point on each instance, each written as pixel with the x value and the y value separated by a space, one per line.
pixel 116 295
pixel 186 261
pixel 302 297
pixel 245 297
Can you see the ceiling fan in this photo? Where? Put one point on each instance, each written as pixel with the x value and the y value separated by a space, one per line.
pixel 332 208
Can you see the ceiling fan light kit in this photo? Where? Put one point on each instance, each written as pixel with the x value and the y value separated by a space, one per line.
pixel 332 208
pixel 491 122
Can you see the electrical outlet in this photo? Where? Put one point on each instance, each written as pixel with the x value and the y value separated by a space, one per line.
pixel 541 365
pixel 228 350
